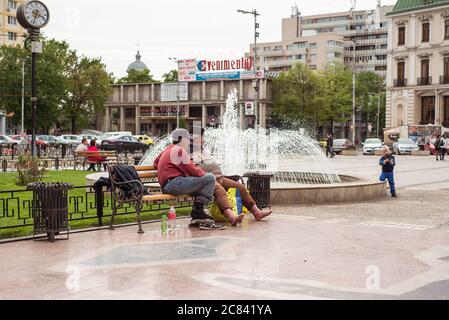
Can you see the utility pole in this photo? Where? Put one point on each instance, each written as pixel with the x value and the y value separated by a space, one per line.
pixel 177 93
pixel 255 56
pixel 353 97
pixel 378 113
pixel 23 99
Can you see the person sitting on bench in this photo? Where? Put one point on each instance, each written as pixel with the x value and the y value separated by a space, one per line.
pixel 178 175
pixel 206 162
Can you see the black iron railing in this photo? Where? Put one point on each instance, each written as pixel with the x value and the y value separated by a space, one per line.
pixel 84 203
pixel 444 79
pixel 424 81
pixel 400 82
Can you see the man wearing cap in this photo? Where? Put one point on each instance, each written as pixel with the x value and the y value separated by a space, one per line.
pixel 179 176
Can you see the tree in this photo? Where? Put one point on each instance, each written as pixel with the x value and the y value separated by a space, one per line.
pixel 369 88
pixel 137 76
pixel 172 76
pixel 88 88
pixel 296 95
pixel 336 98
pixel 50 79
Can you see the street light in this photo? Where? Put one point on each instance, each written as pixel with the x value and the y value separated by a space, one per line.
pixel 353 93
pixel 177 94
pixel 256 35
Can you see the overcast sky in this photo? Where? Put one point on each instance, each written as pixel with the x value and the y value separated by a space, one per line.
pixel 208 29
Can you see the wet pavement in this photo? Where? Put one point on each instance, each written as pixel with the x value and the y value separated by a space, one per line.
pixel 387 249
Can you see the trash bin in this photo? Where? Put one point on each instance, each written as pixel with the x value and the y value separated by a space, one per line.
pixel 50 208
pixel 259 186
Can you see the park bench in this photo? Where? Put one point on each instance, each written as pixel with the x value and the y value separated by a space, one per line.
pixel 135 193
pixel 82 158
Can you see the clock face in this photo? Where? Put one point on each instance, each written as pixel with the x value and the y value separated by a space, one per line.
pixel 36 14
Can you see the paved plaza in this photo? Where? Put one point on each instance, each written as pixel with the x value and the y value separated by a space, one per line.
pixel 385 249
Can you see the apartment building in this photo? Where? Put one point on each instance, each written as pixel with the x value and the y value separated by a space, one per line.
pixel 360 37
pixel 11 33
pixel 314 51
pixel 418 64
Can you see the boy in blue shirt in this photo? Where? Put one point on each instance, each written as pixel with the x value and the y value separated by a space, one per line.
pixel 388 162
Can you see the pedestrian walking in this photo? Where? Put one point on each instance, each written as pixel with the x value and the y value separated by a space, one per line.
pixel 330 145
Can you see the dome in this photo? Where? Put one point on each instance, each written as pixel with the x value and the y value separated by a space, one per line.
pixel 137 65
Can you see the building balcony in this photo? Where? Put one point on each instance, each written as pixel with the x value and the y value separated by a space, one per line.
pixel 444 79
pixel 424 81
pixel 400 83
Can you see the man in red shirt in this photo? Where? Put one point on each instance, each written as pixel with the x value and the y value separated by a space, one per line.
pixel 178 175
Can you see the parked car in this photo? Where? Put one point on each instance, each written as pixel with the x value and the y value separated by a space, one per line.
pixel 70 139
pixel 145 139
pixel 108 135
pixel 89 137
pixel 39 142
pixel 405 146
pixel 8 140
pixel 370 146
pixel 123 143
pixel 52 140
pixel 342 144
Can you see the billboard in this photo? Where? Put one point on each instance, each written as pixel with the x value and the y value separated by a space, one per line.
pixel 187 70
pixel 204 70
pixel 169 91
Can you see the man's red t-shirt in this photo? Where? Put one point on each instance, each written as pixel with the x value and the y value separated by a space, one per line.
pixel 175 162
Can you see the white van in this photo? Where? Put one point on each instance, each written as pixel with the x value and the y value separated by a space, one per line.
pixel 107 135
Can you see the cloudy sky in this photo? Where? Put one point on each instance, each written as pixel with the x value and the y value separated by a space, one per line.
pixel 209 29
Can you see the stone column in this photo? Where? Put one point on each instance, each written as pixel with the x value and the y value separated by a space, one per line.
pixel 262 117
pixel 169 127
pixel 222 93
pixel 241 97
pixel 137 93
pixel 2 124
pixel 222 110
pixel 153 128
pixel 138 131
pixel 437 109
pixel 242 114
pixel 122 125
pixel 107 120
pixel 204 117
pixel 121 93
pixel 152 92
pixel 203 96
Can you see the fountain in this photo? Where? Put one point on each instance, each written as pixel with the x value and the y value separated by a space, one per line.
pixel 294 159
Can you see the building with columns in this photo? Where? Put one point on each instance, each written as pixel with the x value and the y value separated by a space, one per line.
pixel 418 63
pixel 139 107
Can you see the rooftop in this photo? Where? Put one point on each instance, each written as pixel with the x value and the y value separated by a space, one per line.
pixel 411 5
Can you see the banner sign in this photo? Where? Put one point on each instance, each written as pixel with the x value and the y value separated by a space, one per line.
pixel 187 70
pixel 169 91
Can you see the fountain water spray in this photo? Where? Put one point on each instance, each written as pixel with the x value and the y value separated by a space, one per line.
pixel 291 156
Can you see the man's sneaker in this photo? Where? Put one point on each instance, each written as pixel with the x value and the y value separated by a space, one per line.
pixel 211 225
pixel 199 213
pixel 394 195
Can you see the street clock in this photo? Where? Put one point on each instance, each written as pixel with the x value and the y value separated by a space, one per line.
pixel 33 14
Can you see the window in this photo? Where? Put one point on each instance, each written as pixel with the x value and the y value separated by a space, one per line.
pixel 446 67
pixel 267 49
pixel 425 68
pixel 427 110
pixel 12 20
pixel 313 46
pixel 313 67
pixel 278 48
pixel 12 4
pixel 313 57
pixel 446 29
pixel 12 36
pixel 426 32
pixel 401 36
pixel 401 71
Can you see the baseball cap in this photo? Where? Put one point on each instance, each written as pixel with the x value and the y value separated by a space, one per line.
pixel 178 134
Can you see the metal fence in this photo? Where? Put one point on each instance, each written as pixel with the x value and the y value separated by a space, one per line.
pixel 84 203
pixel 58 157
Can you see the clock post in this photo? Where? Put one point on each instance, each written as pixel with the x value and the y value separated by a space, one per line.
pixel 33 15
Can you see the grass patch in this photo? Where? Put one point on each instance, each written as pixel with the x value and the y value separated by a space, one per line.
pixel 14 206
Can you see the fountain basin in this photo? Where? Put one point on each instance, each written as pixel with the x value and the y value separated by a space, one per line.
pixel 352 189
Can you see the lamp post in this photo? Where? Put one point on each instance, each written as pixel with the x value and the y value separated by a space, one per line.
pixel 353 94
pixel 256 81
pixel 177 94
pixel 33 15
pixel 22 128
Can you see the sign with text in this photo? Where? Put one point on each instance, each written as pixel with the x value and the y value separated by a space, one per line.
pixel 187 70
pixel 169 91
pixel 249 109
